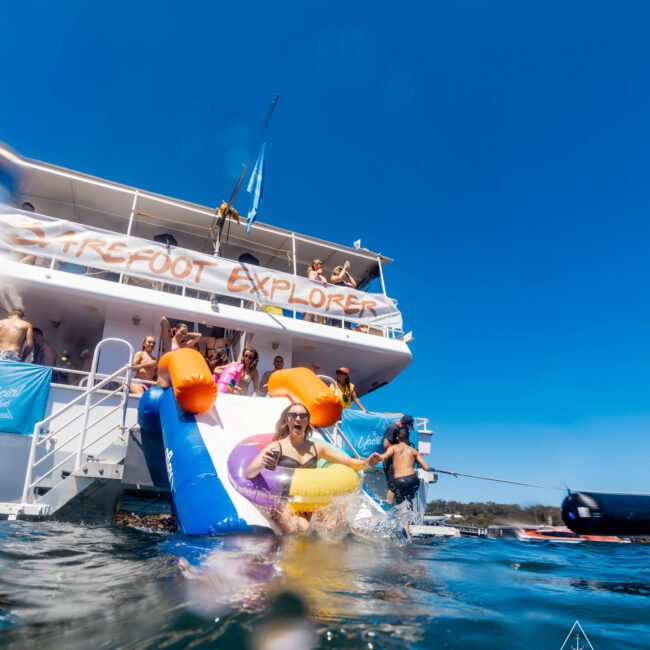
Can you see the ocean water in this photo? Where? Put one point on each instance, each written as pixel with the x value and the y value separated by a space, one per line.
pixel 76 586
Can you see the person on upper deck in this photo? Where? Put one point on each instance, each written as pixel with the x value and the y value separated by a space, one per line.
pixel 16 337
pixel 404 457
pixel 179 337
pixel 340 275
pixel 145 365
pixel 405 423
pixel 250 374
pixel 278 364
pixel 315 273
pixel 292 448
pixel 345 389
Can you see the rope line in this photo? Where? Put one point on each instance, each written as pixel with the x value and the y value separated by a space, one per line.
pixel 499 480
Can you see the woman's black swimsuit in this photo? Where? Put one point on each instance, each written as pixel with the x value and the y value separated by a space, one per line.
pixel 292 463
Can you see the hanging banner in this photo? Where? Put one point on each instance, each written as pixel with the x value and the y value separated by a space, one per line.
pixel 96 248
pixel 24 389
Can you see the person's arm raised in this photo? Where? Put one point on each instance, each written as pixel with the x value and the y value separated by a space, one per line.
pixel 166 334
pixel 192 340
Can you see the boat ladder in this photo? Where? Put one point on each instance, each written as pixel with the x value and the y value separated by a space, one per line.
pixel 50 490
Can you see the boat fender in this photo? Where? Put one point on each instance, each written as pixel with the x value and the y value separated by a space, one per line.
pixel 302 385
pixel 191 379
pixel 149 410
pixel 599 513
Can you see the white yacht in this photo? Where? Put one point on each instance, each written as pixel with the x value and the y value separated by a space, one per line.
pixel 95 265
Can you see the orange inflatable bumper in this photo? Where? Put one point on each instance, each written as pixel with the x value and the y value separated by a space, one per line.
pixel 302 385
pixel 191 379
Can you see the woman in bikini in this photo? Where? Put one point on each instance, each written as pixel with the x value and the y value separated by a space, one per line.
pixel 315 273
pixel 250 374
pixel 145 365
pixel 291 447
pixel 179 337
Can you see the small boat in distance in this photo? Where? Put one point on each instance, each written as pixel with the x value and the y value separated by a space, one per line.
pixel 549 534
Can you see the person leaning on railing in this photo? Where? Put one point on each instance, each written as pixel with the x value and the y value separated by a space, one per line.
pixel 315 273
pixel 341 276
pixel 345 389
pixel 145 365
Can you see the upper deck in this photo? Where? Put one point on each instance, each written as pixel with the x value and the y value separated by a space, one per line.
pixel 96 300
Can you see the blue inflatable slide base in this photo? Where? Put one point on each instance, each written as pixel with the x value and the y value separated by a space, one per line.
pixel 202 504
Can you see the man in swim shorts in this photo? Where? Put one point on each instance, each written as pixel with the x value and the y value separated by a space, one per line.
pixel 16 337
pixel 390 438
pixel 404 457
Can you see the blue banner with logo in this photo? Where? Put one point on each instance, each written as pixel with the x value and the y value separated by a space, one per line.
pixel 24 389
pixel 365 431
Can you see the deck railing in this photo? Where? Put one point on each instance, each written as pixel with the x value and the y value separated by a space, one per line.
pixel 342 322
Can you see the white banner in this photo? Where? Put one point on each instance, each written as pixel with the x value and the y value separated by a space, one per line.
pixel 86 246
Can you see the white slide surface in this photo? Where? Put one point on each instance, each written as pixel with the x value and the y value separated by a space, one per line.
pixel 225 425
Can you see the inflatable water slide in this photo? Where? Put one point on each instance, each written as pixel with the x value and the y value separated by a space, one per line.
pixel 210 436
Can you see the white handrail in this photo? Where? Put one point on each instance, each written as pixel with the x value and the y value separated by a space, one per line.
pixel 91 382
pixel 87 395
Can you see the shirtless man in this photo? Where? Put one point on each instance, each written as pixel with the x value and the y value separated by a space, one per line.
pixel 145 365
pixel 16 337
pixel 404 458
pixel 278 364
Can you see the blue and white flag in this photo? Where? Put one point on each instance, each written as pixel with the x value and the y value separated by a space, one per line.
pixel 256 187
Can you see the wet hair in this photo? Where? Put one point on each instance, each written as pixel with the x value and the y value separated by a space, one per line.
pixel 37 330
pixel 282 425
pixel 255 356
pixel 403 434
pixel 18 312
pixel 144 340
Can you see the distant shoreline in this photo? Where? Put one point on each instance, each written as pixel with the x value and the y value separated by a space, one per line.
pixel 482 514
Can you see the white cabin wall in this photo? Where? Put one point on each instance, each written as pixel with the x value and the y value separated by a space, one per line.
pixel 113 355
pixel 268 347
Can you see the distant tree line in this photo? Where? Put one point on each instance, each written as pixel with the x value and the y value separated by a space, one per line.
pixel 490 513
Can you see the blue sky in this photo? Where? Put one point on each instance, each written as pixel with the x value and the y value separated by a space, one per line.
pixel 497 150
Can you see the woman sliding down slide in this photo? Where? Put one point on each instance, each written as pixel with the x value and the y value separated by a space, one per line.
pixel 292 448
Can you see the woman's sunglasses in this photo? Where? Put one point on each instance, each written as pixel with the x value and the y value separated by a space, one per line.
pixel 298 416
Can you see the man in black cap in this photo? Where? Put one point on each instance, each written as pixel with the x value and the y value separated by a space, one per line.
pixel 390 438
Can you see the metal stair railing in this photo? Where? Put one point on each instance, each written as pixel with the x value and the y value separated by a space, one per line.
pixel 37 440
